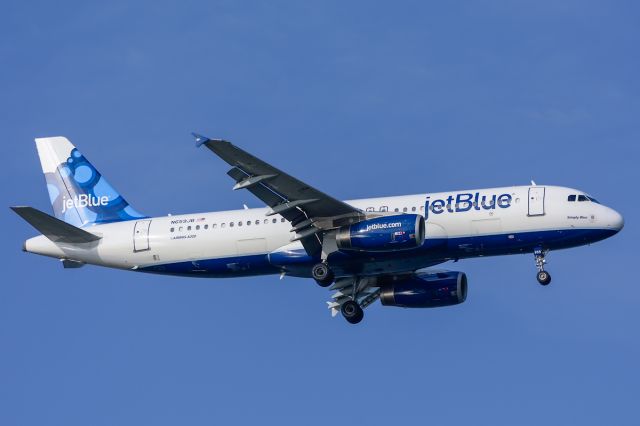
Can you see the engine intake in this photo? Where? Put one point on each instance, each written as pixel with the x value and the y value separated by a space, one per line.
pixel 426 290
pixel 387 233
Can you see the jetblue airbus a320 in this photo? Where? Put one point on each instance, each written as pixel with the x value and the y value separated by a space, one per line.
pixel 368 249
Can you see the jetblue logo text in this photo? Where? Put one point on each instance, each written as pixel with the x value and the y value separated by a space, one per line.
pixel 377 226
pixel 84 200
pixel 467 201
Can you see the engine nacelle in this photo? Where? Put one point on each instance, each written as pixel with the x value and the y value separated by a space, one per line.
pixel 426 290
pixel 386 233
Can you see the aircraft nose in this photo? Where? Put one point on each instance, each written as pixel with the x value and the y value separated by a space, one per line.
pixel 615 220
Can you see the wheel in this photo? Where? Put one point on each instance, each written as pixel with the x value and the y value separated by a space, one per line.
pixel 322 274
pixel 544 278
pixel 352 312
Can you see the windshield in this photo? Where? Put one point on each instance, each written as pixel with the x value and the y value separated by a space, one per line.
pixel 582 197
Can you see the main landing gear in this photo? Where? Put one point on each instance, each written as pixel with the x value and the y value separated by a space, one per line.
pixel 322 274
pixel 544 278
pixel 352 312
pixel 350 309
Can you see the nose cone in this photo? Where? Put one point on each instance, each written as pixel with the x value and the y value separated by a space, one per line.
pixel 614 220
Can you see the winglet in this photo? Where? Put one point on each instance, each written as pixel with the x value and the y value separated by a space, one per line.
pixel 200 139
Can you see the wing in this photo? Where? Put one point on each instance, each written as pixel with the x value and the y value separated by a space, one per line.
pixel 309 210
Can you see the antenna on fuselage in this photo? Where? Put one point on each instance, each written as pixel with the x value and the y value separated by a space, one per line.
pixel 533 183
pixel 245 207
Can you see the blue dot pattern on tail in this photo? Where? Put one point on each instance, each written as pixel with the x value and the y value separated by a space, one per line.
pixel 80 195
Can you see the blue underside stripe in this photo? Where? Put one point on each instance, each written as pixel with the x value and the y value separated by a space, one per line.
pixel 432 252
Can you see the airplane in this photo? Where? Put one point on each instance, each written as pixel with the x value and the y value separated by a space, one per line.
pixel 367 249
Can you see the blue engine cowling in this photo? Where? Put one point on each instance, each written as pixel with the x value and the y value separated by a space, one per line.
pixel 426 290
pixel 387 233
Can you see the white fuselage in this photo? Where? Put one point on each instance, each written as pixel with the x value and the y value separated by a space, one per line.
pixel 530 216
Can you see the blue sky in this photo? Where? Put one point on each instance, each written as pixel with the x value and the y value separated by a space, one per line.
pixel 359 100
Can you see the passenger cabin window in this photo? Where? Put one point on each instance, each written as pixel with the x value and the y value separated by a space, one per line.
pixel 396 210
pixel 206 226
pixel 189 228
pixel 240 223
pixel 230 224
pixel 282 220
pixel 172 229
pixel 571 197
pixel 413 209
pixel 197 227
pixel 384 208
pixel 404 209
pixel 274 220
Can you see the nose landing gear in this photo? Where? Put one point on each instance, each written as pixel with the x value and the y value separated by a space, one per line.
pixel 544 278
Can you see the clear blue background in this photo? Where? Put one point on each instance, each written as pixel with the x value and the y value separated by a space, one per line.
pixel 358 99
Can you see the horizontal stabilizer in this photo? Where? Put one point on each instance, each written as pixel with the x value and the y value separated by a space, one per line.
pixel 56 230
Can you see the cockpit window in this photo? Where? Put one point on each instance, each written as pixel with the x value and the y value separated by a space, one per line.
pixel 582 198
pixel 571 197
pixel 593 199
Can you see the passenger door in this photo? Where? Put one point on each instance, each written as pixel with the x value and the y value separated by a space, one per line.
pixel 536 201
pixel 141 235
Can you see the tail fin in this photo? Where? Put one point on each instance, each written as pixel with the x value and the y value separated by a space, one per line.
pixel 79 194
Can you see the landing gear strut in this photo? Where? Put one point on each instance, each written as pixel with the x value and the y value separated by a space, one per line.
pixel 544 278
pixel 322 274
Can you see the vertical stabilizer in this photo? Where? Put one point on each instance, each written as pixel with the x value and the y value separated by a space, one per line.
pixel 79 194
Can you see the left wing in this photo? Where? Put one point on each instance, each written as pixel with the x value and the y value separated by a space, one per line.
pixel 309 210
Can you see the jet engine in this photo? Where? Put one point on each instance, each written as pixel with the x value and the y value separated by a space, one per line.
pixel 426 290
pixel 387 233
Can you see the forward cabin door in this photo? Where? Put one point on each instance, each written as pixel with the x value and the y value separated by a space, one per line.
pixel 141 235
pixel 536 201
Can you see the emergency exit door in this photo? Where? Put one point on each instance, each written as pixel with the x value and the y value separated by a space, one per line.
pixel 141 235
pixel 536 200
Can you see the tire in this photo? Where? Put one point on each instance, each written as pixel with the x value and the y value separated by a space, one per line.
pixel 544 278
pixel 322 274
pixel 352 312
